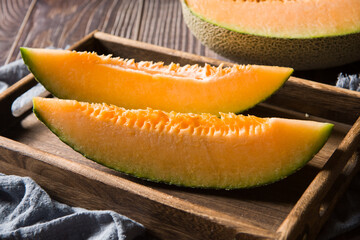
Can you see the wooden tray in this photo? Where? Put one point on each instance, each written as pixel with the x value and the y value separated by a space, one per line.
pixel 294 208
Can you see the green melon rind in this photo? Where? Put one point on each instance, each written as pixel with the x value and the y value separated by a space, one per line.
pixel 268 96
pixel 326 131
pixel 298 53
pixel 29 63
pixel 68 142
pixel 26 55
pixel 325 134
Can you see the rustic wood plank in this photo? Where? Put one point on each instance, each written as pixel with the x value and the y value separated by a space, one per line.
pixel 302 215
pixel 319 100
pixel 162 24
pixel 157 21
pixel 258 207
pixel 183 220
pixel 61 23
pixel 303 96
pixel 266 207
pixel 12 14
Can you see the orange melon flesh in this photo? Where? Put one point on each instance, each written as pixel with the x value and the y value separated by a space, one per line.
pixel 91 78
pixel 282 18
pixel 195 150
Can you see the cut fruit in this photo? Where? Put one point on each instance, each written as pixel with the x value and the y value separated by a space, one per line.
pixel 301 34
pixel 91 78
pixel 194 150
pixel 283 19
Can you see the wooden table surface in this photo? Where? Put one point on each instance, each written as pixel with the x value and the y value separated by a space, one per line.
pixel 44 23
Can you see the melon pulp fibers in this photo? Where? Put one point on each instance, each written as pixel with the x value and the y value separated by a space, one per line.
pixel 304 35
pixel 92 78
pixel 196 150
pixel 283 19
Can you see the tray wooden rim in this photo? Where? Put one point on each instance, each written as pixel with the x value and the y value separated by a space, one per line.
pixel 291 226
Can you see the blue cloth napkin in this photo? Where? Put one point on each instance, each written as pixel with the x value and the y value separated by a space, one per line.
pixel 27 212
pixel 351 82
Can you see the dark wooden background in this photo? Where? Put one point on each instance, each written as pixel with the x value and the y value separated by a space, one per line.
pixel 43 23
pixel 60 23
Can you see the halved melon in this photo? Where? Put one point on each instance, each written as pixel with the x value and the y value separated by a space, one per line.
pixel 282 18
pixel 196 150
pixel 303 34
pixel 92 78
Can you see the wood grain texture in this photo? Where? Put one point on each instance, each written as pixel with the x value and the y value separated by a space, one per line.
pixel 162 24
pixel 299 218
pixel 100 190
pixel 184 213
pixel 12 15
pixel 61 23
pixel 346 109
pixel 263 207
pixel 319 100
pixel 266 207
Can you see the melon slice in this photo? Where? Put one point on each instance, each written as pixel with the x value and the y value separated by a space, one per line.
pixel 195 150
pixel 92 78
pixel 303 34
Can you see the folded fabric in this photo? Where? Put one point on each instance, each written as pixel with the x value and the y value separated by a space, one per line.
pixel 13 72
pixel 351 81
pixel 27 212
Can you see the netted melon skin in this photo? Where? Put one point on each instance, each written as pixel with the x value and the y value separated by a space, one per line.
pixel 298 53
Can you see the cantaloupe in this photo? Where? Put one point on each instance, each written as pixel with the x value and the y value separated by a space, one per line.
pixel 303 34
pixel 194 150
pixel 126 83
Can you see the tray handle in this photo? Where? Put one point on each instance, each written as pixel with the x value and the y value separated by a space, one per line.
pixel 312 206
